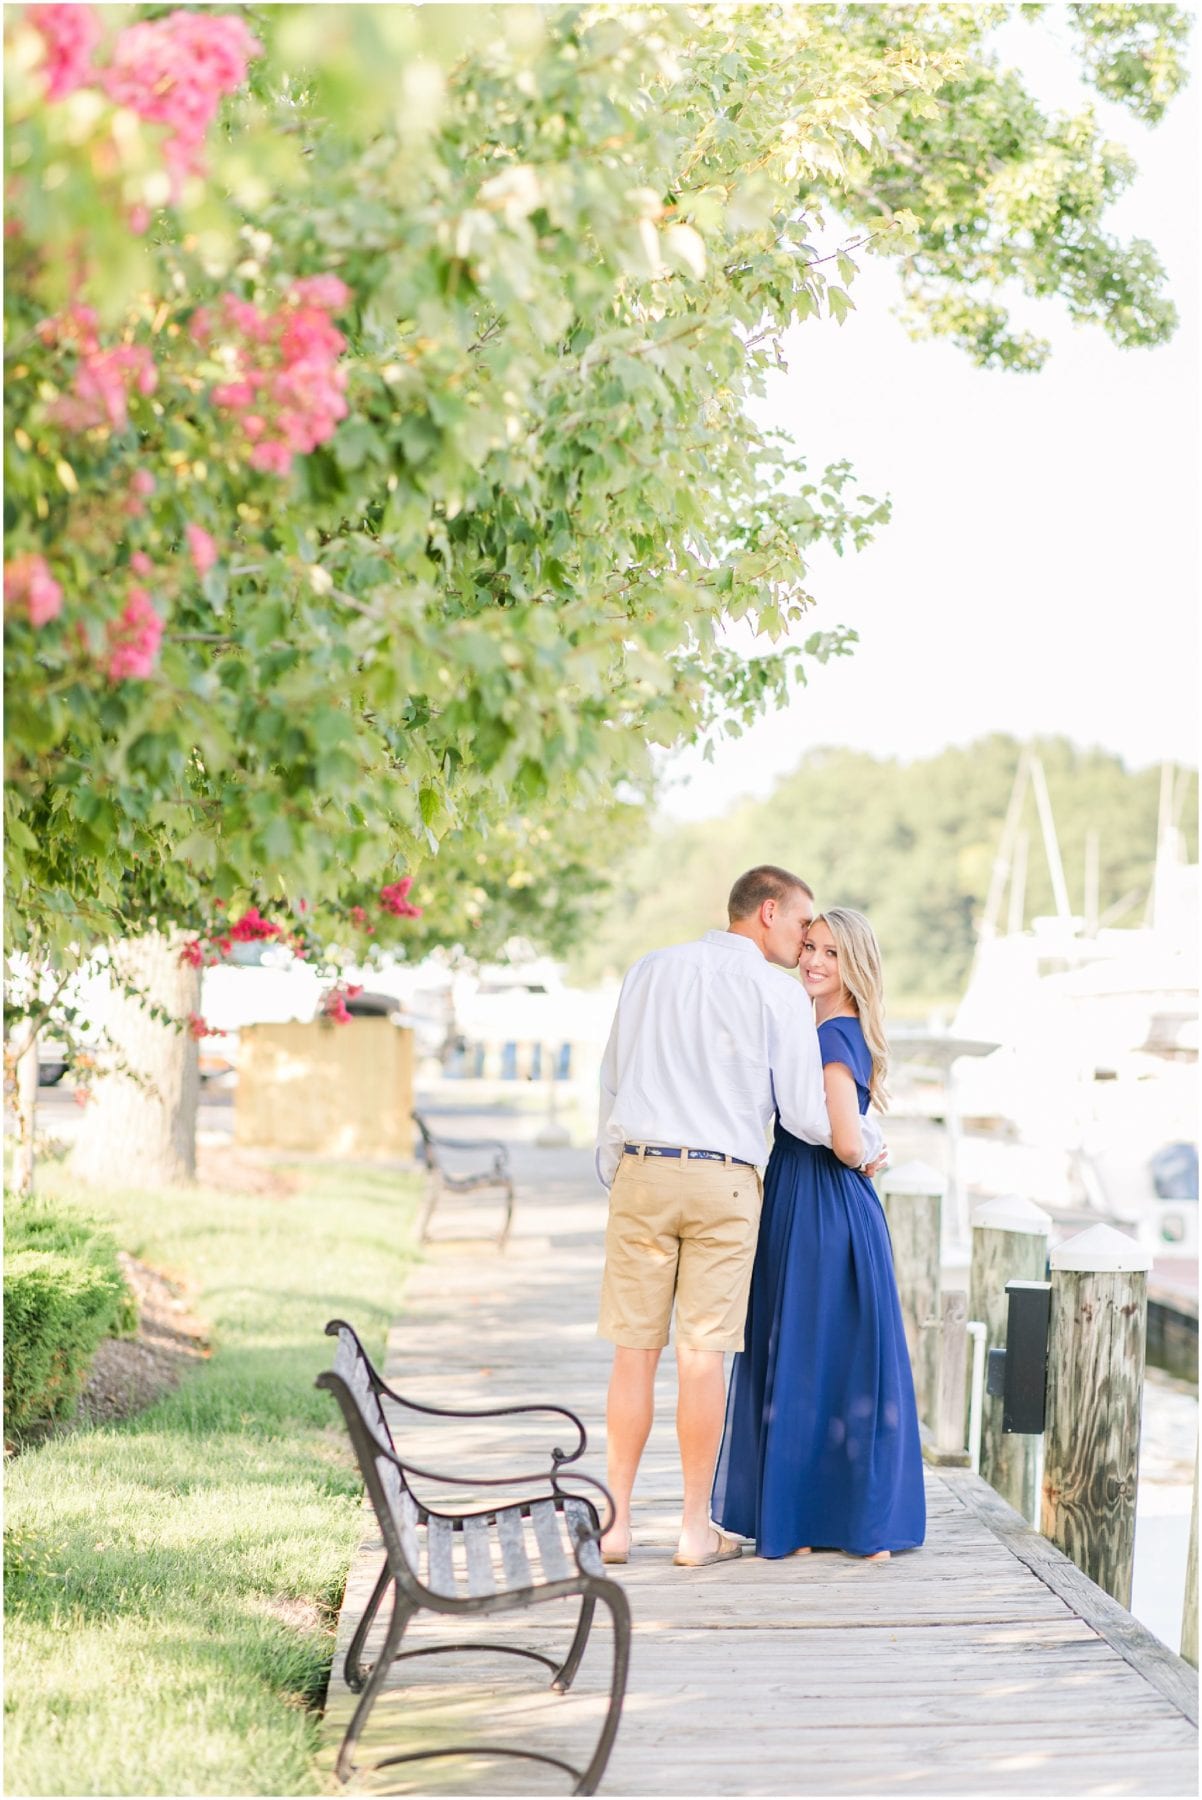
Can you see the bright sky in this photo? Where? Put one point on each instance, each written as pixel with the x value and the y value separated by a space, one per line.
pixel 1040 574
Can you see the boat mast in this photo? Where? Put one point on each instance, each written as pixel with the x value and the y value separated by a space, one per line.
pixel 1005 853
pixel 1010 863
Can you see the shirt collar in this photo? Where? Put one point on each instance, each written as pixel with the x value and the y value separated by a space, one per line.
pixel 735 939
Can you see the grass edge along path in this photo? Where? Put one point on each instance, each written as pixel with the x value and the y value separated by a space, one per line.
pixel 171 1581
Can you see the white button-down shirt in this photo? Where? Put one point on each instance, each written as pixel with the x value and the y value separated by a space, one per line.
pixel 709 1041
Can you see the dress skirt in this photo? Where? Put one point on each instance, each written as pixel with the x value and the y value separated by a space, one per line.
pixel 821 1445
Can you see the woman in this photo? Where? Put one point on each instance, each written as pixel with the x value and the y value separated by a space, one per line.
pixel 821 1446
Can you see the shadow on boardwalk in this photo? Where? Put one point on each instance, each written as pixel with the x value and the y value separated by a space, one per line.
pixel 956 1669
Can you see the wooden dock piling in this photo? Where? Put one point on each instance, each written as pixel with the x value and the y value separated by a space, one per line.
pixel 1189 1614
pixel 912 1197
pixel 948 1433
pixel 1099 1307
pixel 1009 1243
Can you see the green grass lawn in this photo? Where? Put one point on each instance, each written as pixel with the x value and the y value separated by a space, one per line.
pixel 170 1581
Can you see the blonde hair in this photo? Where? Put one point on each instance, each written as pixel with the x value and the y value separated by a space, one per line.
pixel 860 973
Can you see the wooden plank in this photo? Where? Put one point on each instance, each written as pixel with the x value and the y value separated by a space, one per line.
pixel 404 1509
pixel 477 1535
pixel 580 1524
pixel 518 1574
pixel 545 1520
pixel 1134 1642
pixel 440 1576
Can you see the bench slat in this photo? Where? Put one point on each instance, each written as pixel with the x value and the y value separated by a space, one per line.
pixel 404 1508
pixel 440 1544
pixel 579 1523
pixel 349 1363
pixel 545 1520
pixel 480 1579
pixel 518 1573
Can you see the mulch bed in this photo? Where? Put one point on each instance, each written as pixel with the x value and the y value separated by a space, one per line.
pixel 129 1374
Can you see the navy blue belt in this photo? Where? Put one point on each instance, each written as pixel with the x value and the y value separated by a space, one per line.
pixel 693 1155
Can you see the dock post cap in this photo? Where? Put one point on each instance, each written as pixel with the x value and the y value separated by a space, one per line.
pixel 1102 1250
pixel 1010 1212
pixel 914 1178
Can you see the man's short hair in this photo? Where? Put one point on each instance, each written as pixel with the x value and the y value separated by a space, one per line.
pixel 767 882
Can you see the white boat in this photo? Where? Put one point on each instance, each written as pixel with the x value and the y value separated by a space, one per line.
pixel 1096 1065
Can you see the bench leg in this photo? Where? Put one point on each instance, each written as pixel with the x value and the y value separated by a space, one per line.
pixel 431 1201
pixel 352 1667
pixel 401 1614
pixel 564 1676
pixel 615 1598
pixel 504 1237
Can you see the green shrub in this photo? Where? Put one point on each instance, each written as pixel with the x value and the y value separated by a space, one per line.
pixel 63 1293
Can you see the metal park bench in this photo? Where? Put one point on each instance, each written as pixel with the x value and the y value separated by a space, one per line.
pixel 544 1546
pixel 440 1178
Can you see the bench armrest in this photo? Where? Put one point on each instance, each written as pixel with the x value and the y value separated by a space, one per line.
pixel 496 1412
pixel 592 1481
pixel 447 1143
pixel 447 1478
pixel 549 1477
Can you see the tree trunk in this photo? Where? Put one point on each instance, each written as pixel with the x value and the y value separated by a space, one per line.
pixel 140 1126
pixel 25 1104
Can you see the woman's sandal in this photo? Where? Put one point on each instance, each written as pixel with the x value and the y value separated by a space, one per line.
pixel 728 1549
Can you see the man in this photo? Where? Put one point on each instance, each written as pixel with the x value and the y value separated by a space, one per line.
pixel 707 1043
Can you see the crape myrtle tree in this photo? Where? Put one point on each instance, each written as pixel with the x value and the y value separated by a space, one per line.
pixel 380 471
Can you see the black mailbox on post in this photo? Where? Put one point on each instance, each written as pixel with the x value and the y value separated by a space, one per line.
pixel 1019 1373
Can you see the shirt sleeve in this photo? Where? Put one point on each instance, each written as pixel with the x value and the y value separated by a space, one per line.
pixel 797 1073
pixel 608 1152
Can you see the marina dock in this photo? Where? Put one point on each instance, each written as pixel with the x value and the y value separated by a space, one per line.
pixel 984 1663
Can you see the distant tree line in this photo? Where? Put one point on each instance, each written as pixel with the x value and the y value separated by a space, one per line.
pixel 911 844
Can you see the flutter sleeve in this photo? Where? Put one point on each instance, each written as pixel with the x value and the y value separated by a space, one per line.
pixel 841 1041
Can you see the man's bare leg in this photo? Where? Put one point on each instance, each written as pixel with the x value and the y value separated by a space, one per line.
pixel 700 1411
pixel 629 1410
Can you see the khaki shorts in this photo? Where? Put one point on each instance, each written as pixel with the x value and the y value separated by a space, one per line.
pixel 679 1231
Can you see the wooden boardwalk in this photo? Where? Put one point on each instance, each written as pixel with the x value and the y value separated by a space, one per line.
pixel 982 1664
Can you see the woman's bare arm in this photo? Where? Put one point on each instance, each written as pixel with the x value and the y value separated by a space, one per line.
pixel 843 1106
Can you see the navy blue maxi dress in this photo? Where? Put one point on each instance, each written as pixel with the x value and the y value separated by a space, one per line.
pixel 821 1446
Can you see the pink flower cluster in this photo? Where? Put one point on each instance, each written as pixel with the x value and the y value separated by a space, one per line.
pixel 202 548
pixel 104 379
pixel 174 71
pixel 288 390
pixel 394 899
pixel 252 927
pixel 198 1028
pixel 141 487
pixel 134 639
pixel 29 585
pixel 70 34
pixel 334 1005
